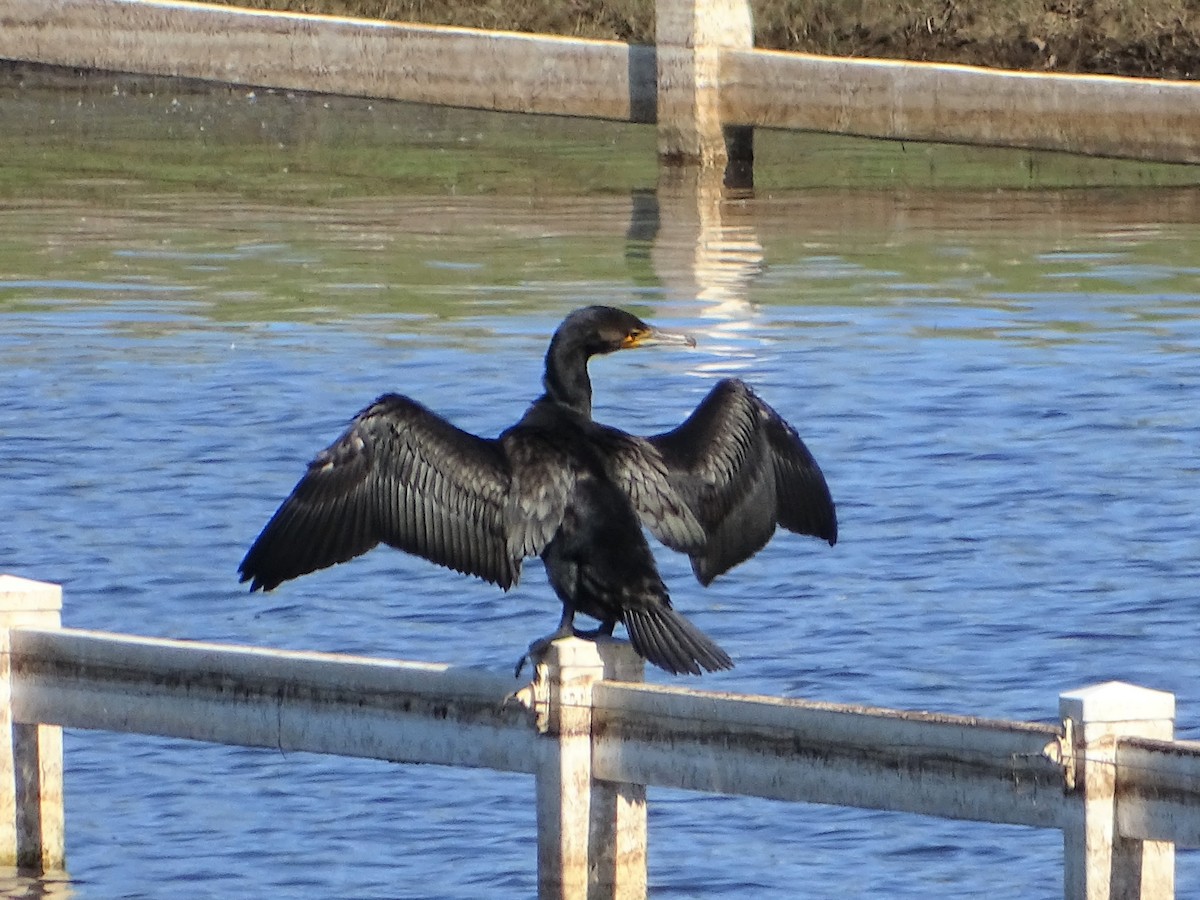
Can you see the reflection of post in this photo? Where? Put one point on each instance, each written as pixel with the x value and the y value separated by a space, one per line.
pixel 707 247
pixel 689 36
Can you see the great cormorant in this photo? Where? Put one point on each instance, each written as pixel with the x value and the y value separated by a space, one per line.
pixel 564 487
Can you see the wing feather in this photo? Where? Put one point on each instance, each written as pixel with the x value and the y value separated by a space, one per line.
pixel 399 475
pixel 543 482
pixel 637 467
pixel 742 470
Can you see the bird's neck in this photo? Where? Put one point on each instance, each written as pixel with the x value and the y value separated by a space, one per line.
pixel 566 379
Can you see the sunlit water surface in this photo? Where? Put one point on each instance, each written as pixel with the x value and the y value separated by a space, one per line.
pixel 1001 389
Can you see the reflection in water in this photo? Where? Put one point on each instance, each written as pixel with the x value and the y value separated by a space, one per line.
pixel 51 886
pixel 707 249
pixel 1003 387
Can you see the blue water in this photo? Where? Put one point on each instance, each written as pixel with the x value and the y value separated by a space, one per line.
pixel 1001 389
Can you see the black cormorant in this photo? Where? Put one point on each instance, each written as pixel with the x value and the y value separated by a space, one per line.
pixel 561 486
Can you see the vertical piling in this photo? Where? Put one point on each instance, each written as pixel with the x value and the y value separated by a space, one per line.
pixel 689 36
pixel 591 835
pixel 1098 863
pixel 617 842
pixel 31 762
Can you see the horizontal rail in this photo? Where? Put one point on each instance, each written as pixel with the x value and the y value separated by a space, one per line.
pixel 785 749
pixel 381 709
pixel 1101 115
pixel 494 70
pixel 1158 790
pixel 951 766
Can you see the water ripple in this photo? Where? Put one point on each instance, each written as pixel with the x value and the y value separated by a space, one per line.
pixel 1006 415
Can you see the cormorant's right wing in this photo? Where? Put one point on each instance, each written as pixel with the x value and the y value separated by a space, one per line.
pixel 403 476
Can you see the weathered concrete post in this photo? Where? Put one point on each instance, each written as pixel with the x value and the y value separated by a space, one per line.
pixel 31 764
pixel 591 835
pixel 689 36
pixel 617 843
pixel 1098 863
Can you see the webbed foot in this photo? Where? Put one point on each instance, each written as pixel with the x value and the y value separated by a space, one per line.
pixel 537 650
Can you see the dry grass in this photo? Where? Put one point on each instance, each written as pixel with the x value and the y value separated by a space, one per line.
pixel 1159 38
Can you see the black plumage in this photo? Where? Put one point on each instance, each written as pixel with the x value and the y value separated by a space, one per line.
pixel 564 487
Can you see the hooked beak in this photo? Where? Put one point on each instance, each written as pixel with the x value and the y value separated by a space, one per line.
pixel 658 337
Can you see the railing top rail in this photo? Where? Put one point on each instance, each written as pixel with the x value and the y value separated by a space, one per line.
pixel 683 703
pixel 125 656
pixel 289 700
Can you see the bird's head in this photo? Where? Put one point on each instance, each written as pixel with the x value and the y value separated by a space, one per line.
pixel 586 333
pixel 606 329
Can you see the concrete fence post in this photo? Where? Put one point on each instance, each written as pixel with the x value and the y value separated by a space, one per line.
pixel 591 834
pixel 617 842
pixel 1100 864
pixel 31 760
pixel 689 36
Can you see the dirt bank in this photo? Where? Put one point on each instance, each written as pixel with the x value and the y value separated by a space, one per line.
pixel 1156 38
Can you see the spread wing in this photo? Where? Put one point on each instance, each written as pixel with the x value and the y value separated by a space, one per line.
pixel 399 475
pixel 742 470
pixel 638 468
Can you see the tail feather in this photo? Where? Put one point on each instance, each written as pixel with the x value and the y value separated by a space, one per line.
pixel 671 642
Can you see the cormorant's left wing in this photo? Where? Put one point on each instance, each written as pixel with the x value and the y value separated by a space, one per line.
pixel 742 470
